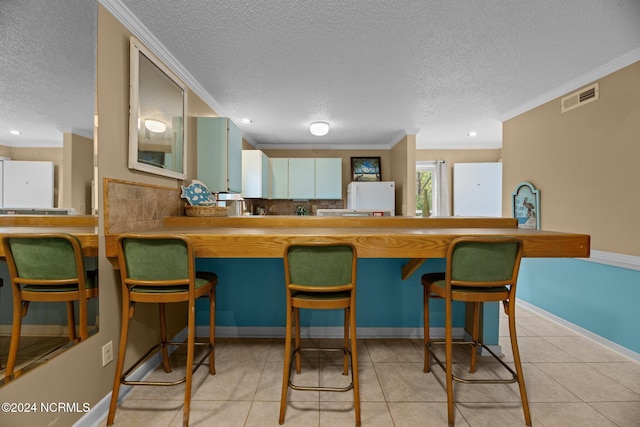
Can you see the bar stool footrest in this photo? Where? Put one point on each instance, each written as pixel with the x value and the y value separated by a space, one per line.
pixel 156 348
pixel 514 376
pixel 312 388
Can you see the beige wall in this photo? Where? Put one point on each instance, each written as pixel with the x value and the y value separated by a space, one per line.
pixel 584 162
pixel 77 176
pixel 403 171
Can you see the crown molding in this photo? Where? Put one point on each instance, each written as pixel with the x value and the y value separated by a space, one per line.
pixel 133 24
pixel 585 79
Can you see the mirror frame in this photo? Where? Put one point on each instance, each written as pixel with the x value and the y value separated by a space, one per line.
pixel 136 50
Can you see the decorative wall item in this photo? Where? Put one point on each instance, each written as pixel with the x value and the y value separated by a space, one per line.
pixel 158 103
pixel 526 205
pixel 365 169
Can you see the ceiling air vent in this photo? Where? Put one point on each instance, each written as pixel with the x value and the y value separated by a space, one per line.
pixel 581 97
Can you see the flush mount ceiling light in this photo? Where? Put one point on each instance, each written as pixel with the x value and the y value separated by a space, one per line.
pixel 15 132
pixel 247 121
pixel 155 125
pixel 473 133
pixel 319 128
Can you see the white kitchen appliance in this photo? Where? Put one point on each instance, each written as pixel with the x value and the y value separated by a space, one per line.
pixel 372 196
pixel 26 184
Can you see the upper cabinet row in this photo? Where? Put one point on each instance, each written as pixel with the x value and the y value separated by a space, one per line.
pixel 291 178
pixel 224 167
pixel 219 154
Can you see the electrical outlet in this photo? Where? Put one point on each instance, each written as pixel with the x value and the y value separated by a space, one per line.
pixel 107 353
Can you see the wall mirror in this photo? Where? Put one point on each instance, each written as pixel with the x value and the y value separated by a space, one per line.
pixel 157 129
pixel 48 71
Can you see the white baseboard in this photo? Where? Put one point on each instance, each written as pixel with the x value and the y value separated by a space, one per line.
pixel 609 345
pixel 40 330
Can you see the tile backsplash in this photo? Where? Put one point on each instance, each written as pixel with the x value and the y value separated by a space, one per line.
pixel 132 206
pixel 288 207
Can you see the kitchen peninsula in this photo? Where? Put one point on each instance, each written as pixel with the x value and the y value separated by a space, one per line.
pixel 246 254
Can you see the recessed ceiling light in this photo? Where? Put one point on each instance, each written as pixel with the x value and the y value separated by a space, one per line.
pixel 155 125
pixel 473 133
pixel 15 132
pixel 247 121
pixel 319 128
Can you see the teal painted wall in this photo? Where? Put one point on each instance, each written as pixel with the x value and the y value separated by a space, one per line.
pixel 251 293
pixel 599 298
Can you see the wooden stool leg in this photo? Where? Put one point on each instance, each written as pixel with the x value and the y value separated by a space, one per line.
pixel 127 313
pixel 449 359
pixel 71 321
pixel 296 321
pixel 345 343
pixel 191 339
pixel 518 365
pixel 354 361
pixel 15 333
pixel 287 365
pixel 474 335
pixel 163 337
pixel 212 330
pixel 425 311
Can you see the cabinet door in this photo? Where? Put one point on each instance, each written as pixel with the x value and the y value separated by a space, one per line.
pixel 234 158
pixel 302 178
pixel 279 178
pixel 264 160
pixel 219 154
pixel 255 174
pixel 212 153
pixel 328 179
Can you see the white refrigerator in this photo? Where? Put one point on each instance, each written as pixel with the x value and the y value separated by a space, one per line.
pixel 26 184
pixel 372 196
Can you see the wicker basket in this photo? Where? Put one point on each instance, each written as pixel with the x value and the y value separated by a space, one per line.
pixel 206 211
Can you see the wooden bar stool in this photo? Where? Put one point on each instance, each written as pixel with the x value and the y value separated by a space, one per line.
pixel 47 267
pixel 320 276
pixel 161 269
pixel 479 269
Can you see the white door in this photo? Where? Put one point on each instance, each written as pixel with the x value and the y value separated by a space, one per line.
pixel 27 184
pixel 477 189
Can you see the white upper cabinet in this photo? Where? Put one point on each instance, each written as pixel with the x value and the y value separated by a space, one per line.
pixel 306 178
pixel 279 178
pixel 328 178
pixel 302 178
pixel 255 174
pixel 219 154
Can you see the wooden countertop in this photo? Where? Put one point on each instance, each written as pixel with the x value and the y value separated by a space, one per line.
pixel 371 242
pixel 413 238
pixel 84 227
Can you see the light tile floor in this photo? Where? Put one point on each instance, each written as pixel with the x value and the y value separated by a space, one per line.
pixel 570 382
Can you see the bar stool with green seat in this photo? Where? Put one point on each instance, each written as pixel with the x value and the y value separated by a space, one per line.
pixel 47 267
pixel 161 269
pixel 479 269
pixel 320 276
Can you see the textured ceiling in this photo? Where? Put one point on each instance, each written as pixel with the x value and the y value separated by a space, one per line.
pixel 374 69
pixel 47 63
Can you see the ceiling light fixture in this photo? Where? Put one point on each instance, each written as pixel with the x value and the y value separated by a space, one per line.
pixel 473 133
pixel 155 125
pixel 247 121
pixel 319 128
pixel 15 132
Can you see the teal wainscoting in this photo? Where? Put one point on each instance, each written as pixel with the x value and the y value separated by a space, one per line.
pixel 599 298
pixel 250 293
